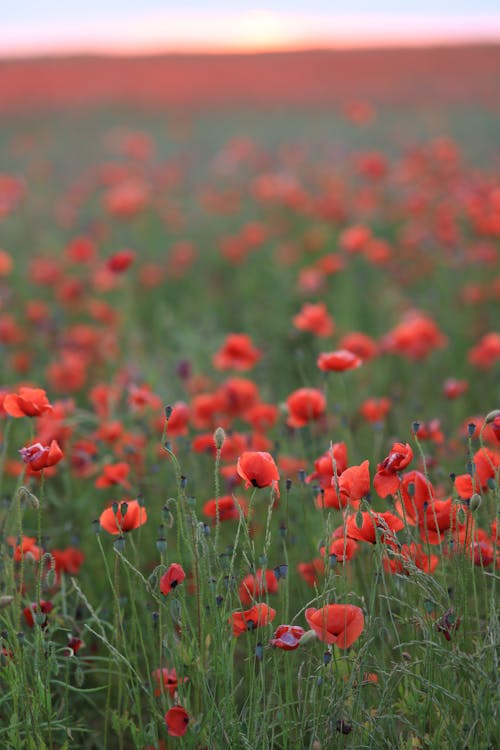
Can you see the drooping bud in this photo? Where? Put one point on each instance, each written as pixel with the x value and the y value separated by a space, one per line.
pixel 491 416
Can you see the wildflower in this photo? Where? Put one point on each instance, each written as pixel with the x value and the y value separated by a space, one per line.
pixel 387 523
pixel 33 613
pixel 287 637
pixel 229 506
pixel 255 586
pixel 256 617
pixel 129 515
pixel 341 624
pixel 39 456
pixel 114 474
pixel 27 402
pixel 310 571
pixel 375 410
pixel 25 547
pixel 261 416
pixel 453 388
pixel 238 353
pixel 408 555
pixel 258 469
pixel 166 679
pixel 177 720
pixel 177 423
pixel 74 645
pixel 68 560
pixel 341 549
pixel 386 480
pixel 305 405
pixel 171 578
pixel 331 463
pixel 314 318
pixel 338 361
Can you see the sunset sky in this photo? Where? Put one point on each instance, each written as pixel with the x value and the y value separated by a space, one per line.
pixel 112 26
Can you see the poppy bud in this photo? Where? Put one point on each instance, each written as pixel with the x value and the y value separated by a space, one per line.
pixel 475 502
pixel 168 412
pixel 492 415
pixel 219 438
pixel 471 428
pixel 161 545
pixel 119 544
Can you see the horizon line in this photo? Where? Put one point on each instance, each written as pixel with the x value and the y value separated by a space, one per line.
pixel 138 51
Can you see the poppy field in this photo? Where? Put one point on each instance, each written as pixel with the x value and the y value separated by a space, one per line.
pixel 250 426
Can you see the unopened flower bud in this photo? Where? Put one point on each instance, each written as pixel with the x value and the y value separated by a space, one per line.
pixel 491 416
pixel 219 438
pixel 475 502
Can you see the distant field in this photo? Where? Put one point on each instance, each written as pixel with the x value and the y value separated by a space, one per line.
pixel 455 75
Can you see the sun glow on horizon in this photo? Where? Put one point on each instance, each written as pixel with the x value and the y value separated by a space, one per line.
pixel 256 30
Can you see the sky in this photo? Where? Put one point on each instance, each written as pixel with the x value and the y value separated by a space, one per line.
pixel 137 26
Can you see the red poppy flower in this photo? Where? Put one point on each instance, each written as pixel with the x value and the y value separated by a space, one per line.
pixel 338 361
pixel 39 456
pixel 238 396
pixel 353 484
pixel 129 515
pixel 386 522
pixel 45 607
pixel 408 555
pixel 417 493
pixel 324 465
pixel 229 508
pixel 256 586
pixel 177 720
pixel 343 549
pixel 258 469
pixel 486 352
pixel 305 405
pixel 256 617
pixel 261 416
pixel 431 431
pixel 287 637
pixel 311 571
pixel 166 680
pixel 114 474
pixel 341 624
pixel 120 261
pixel 28 402
pixel 178 420
pixel 437 518
pixel 386 480
pixel 415 337
pixel 171 578
pixel 375 410
pixel 68 560
pixel 354 238
pixel 453 388
pixel 314 318
pixel 237 353
pixel 74 645
pixel 26 547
